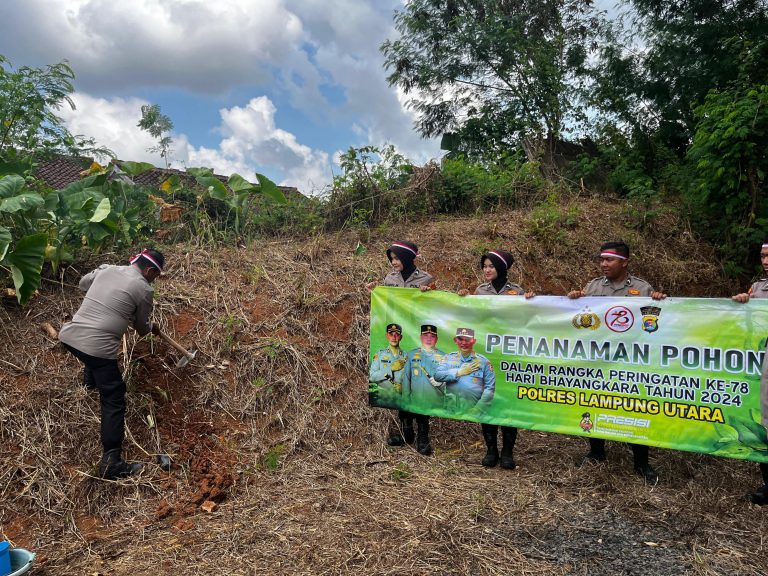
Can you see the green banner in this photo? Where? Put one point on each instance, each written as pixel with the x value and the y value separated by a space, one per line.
pixel 681 373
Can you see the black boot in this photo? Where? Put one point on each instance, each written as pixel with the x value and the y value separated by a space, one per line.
pixel 422 437
pixel 508 436
pixel 760 496
pixel 642 467
pixel 596 452
pixel 408 434
pixel 491 457
pixel 404 434
pixel 113 466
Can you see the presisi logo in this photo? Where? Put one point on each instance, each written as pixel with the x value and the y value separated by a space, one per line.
pixel 624 421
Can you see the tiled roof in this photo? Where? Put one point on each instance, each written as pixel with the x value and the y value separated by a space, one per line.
pixel 63 170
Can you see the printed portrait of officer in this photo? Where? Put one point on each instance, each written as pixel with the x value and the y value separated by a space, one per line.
pixel 420 369
pixel 468 376
pixel 386 375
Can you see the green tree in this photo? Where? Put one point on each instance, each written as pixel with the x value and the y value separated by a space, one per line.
pixel 159 126
pixel 730 163
pixel 29 99
pixel 658 64
pixel 494 74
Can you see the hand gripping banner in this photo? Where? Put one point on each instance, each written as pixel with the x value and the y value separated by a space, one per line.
pixel 681 373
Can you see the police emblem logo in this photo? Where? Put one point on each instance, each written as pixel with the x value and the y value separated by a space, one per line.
pixel 650 318
pixel 586 319
pixel 633 292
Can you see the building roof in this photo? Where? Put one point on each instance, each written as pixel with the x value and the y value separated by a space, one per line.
pixel 60 171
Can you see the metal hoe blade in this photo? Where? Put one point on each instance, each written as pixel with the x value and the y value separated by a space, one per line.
pixel 186 359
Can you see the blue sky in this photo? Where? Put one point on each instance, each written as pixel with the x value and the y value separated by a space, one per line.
pixel 272 86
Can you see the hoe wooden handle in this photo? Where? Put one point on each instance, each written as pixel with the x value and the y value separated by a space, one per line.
pixel 175 344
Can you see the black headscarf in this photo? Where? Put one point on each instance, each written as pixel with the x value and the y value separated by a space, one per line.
pixel 406 252
pixel 502 261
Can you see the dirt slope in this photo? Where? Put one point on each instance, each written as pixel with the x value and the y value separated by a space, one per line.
pixel 271 424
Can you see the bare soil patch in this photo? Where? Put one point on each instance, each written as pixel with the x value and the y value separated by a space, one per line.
pixel 270 424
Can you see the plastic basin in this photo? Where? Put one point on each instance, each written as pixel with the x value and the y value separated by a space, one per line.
pixel 21 561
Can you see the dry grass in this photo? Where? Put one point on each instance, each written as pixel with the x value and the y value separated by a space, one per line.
pixel 271 422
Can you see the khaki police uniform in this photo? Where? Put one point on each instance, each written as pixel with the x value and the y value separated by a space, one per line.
pixel 632 286
pixel 760 290
pixel 417 279
pixel 509 289
pixel 490 431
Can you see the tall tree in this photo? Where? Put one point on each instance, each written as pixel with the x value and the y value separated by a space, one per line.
pixel 492 73
pixel 29 99
pixel 159 126
pixel 653 73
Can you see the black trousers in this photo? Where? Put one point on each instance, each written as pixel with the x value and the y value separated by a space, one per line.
pixel 104 375
pixel 639 451
pixel 405 416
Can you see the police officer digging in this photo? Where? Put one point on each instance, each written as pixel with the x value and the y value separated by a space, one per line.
pixel 116 296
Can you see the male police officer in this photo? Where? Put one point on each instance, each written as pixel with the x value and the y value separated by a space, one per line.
pixel 425 391
pixel 760 290
pixel 115 296
pixel 467 375
pixel 387 379
pixel 617 281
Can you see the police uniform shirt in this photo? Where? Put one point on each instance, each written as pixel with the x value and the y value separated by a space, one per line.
pixel 420 368
pixel 381 369
pixel 415 280
pixel 760 290
pixel 631 286
pixel 477 387
pixel 509 289
pixel 115 296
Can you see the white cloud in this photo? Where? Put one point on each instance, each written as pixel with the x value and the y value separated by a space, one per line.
pixel 250 141
pixel 319 59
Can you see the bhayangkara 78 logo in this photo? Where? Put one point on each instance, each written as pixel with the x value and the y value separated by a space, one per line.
pixel 619 318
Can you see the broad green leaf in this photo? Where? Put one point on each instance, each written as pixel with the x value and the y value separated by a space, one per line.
pixel 136 168
pixel 53 202
pixel 5 241
pixel 270 189
pixel 733 450
pixel 15 167
pixel 97 231
pixel 102 211
pixel 26 261
pixel 21 203
pixel 726 433
pixel 360 250
pixel 237 183
pixel 94 180
pixel 750 433
pixel 200 172
pixel 11 185
pixel 216 187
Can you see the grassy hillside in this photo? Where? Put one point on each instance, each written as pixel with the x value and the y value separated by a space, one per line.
pixel 271 423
